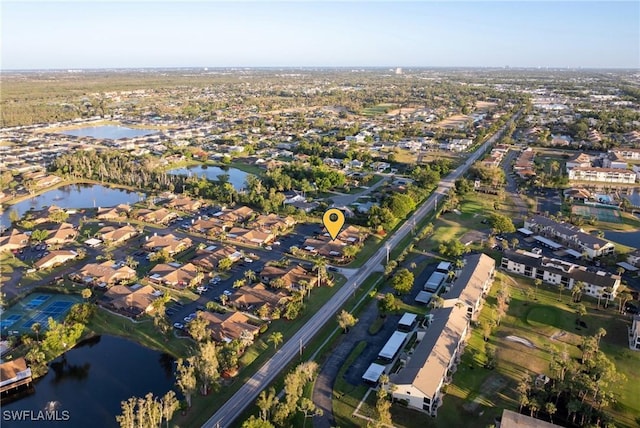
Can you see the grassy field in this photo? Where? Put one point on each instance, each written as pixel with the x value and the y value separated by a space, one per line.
pixel 474 208
pixel 143 332
pixel 378 109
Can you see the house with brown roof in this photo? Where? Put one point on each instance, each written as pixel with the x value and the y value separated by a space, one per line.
pixel 55 258
pixel 292 277
pixel 16 240
pixel 159 216
pixel 237 215
pixel 250 236
pixel 273 223
pixel 185 203
pixel 105 273
pixel 113 235
pixel 169 243
pixel 176 275
pixel 133 301
pixel 115 213
pixel 13 374
pixel 230 326
pixel 208 260
pixel 256 296
pixel 211 227
pixel 324 247
pixel 62 234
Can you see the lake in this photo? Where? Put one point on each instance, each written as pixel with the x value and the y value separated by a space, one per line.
pixel 73 196
pixel 236 177
pixel 93 378
pixel 109 132
pixel 631 239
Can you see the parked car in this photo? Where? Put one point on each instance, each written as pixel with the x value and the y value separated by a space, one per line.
pixel 248 260
pixel 178 325
pixel 227 293
pixel 202 289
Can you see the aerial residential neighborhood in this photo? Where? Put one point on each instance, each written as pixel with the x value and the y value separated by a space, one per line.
pixel 281 214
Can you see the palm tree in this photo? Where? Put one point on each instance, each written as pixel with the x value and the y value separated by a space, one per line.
pixel 275 338
pixel 608 292
pixel 576 291
pixel 224 299
pixel 320 266
pixel 623 298
pixel 537 283
pixel 551 409
pixel 250 275
pixel 239 283
pixel 36 327
pixel 560 288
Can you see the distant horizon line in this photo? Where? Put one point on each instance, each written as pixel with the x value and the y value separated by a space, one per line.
pixel 323 67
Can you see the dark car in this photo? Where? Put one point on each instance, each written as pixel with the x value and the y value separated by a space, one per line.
pixel 630 308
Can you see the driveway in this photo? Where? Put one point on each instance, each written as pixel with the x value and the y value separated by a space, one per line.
pixel 343 199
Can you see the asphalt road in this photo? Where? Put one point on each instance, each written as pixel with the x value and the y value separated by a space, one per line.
pixel 248 392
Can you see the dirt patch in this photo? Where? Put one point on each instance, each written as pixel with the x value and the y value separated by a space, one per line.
pixel 455 122
pixel 484 106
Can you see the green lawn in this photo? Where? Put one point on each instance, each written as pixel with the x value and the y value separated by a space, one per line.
pixel 143 332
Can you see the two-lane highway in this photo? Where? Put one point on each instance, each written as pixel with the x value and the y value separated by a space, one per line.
pixel 248 392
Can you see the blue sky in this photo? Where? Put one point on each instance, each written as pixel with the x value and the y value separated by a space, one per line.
pixel 302 33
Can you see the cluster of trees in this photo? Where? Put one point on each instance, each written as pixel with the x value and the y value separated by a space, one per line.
pixel 581 389
pixel 402 281
pixel 200 371
pixel 59 337
pixel 276 412
pixel 300 176
pixel 148 412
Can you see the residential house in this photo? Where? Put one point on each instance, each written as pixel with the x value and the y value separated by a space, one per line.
pixel 273 223
pixel 237 215
pixel 14 374
pixel 113 235
pixel 61 234
pixel 211 227
pixel 250 236
pixel 185 204
pixel 570 236
pixel 159 216
pixel 106 273
pixel 230 326
pixel 133 301
pixel 16 240
pixel 55 258
pixel 580 160
pixel 115 213
pixel 560 272
pixel 419 383
pixel 176 275
pixel 472 285
pixel 169 243
pixel 524 164
pixel 256 296
pixel 208 259
pixel 293 196
pixel 291 277
pixel 325 247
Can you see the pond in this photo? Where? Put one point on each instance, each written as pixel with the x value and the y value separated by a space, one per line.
pixel 92 379
pixel 236 177
pixel 109 132
pixel 631 239
pixel 74 196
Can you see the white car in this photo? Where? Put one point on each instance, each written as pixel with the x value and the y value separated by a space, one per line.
pixel 248 260
pixel 227 293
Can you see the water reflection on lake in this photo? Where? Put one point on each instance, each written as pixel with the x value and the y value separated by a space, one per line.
pixel 93 378
pixel 110 132
pixel 236 177
pixel 74 196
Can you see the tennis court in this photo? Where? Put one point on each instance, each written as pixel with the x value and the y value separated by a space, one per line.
pixel 36 308
pixel 601 213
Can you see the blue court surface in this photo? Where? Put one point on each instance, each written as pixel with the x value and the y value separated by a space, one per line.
pixel 36 308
